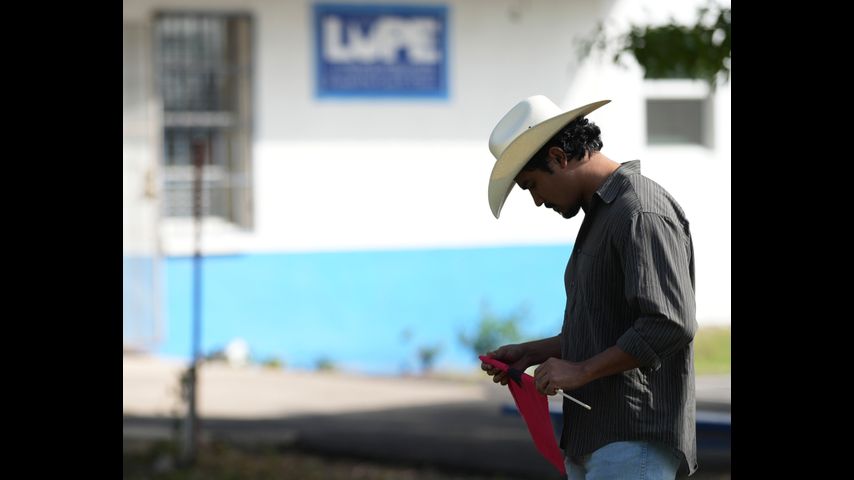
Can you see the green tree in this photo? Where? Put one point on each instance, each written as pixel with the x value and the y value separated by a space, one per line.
pixel 325 364
pixel 701 51
pixel 493 331
pixel 427 355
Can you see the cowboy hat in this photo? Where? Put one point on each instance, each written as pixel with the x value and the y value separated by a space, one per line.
pixel 519 135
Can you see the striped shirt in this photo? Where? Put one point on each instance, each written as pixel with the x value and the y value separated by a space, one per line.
pixel 630 282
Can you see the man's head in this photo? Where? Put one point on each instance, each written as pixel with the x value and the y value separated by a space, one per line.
pixel 578 139
pixel 551 174
pixel 530 130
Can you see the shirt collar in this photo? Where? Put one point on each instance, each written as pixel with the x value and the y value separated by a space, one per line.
pixel 612 185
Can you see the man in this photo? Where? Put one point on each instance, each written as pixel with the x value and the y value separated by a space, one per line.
pixel 625 347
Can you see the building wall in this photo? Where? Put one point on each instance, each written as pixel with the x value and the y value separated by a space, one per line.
pixel 380 177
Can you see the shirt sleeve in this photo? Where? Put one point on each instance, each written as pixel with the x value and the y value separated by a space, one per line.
pixel 657 258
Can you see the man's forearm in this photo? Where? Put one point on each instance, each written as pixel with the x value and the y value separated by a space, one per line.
pixel 611 361
pixel 539 351
pixel 556 373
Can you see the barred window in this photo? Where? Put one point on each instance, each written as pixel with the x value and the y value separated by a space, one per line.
pixel 203 64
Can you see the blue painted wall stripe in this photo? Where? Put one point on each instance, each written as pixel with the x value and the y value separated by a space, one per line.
pixel 352 307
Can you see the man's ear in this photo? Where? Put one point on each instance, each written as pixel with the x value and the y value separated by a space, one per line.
pixel 559 156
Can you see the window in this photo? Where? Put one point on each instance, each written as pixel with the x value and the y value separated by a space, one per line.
pixel 678 112
pixel 203 78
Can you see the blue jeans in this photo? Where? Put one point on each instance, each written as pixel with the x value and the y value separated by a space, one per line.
pixel 625 460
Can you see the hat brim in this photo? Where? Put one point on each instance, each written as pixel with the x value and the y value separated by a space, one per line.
pixel 520 151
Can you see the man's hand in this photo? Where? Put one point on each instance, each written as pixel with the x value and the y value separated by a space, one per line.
pixel 512 355
pixel 555 373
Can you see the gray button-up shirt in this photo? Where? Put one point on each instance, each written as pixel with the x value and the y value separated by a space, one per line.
pixel 630 283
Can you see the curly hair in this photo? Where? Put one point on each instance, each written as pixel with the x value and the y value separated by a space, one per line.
pixel 577 139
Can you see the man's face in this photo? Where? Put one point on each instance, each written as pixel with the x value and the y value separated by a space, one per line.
pixel 557 190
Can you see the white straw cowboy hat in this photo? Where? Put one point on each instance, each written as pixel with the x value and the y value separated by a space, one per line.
pixel 519 135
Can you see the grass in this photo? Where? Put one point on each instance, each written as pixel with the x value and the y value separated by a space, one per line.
pixel 712 351
pixel 222 461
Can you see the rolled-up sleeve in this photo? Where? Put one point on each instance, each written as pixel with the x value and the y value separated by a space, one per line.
pixel 657 257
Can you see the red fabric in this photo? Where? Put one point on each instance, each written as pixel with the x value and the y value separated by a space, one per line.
pixel 534 408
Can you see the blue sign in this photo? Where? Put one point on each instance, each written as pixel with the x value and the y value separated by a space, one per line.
pixel 381 50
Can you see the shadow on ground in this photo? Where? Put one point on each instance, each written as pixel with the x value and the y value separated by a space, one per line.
pixel 469 438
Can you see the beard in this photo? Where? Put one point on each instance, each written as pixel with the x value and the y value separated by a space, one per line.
pixel 571 212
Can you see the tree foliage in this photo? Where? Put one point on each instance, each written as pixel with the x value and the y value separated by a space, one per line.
pixel 493 331
pixel 701 51
pixel 427 355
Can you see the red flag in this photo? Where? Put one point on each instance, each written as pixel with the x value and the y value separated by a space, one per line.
pixel 534 408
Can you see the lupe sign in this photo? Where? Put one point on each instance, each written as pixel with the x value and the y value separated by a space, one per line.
pixel 381 50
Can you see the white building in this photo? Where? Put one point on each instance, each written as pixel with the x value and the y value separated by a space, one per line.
pixel 338 220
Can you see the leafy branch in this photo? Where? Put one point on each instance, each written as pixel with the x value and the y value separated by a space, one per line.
pixel 493 331
pixel 701 51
